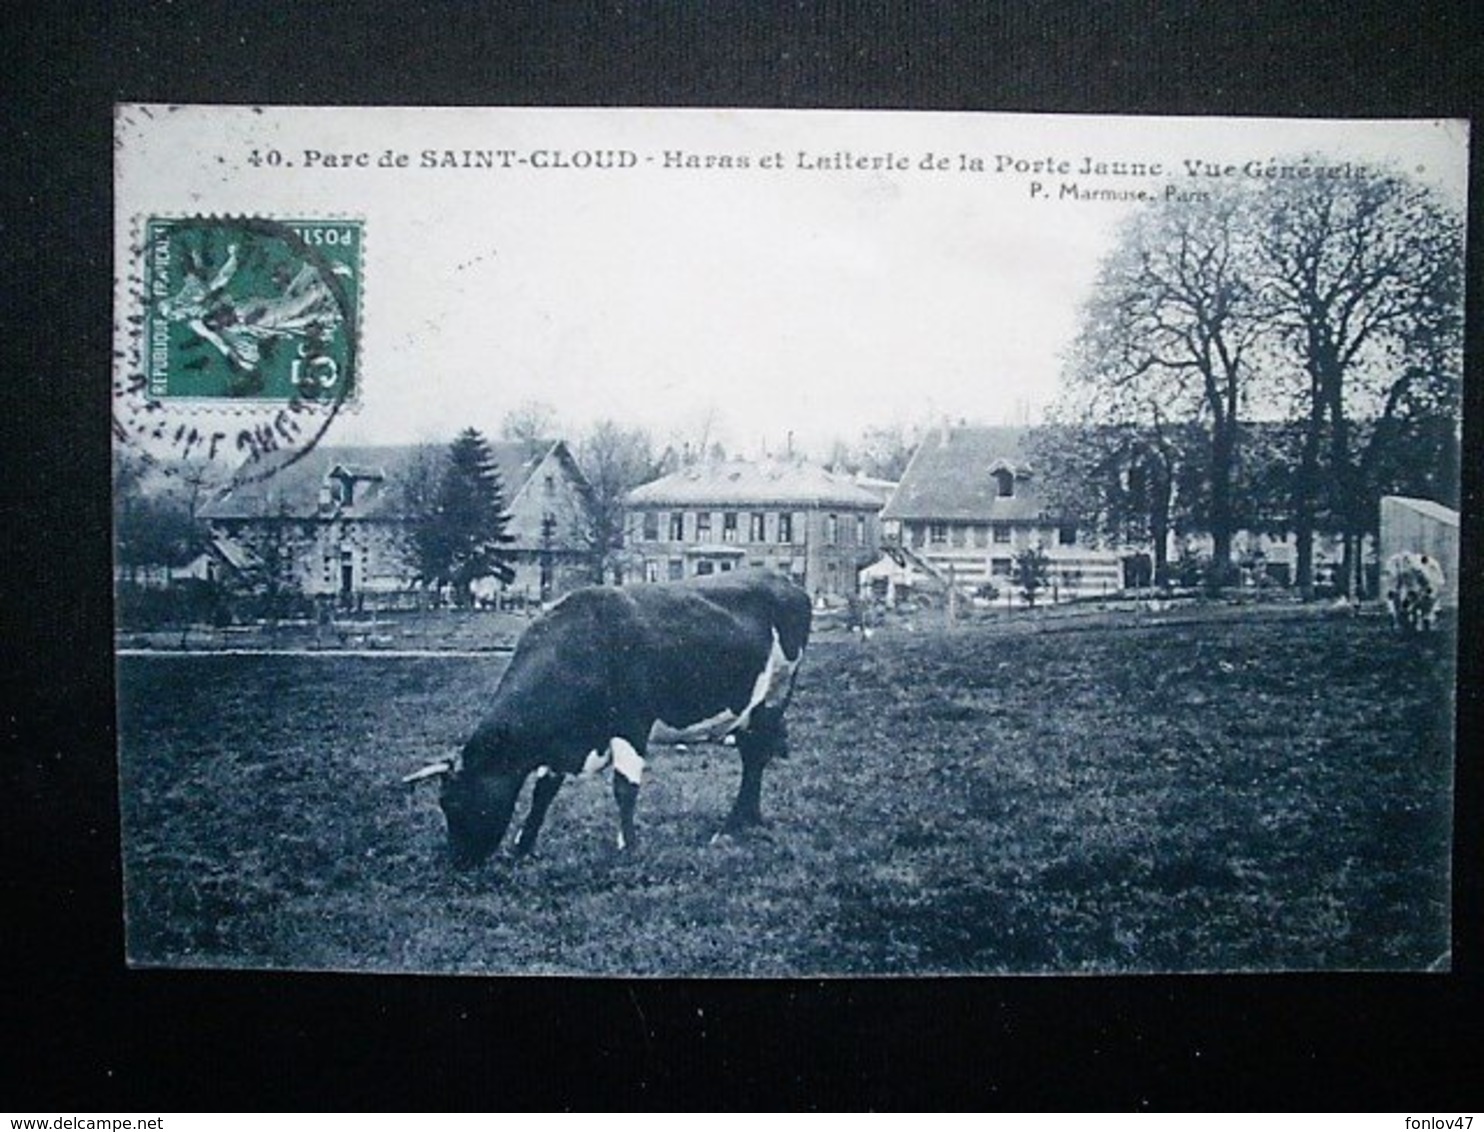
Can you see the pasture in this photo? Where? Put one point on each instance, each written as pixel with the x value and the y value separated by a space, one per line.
pixel 1221 790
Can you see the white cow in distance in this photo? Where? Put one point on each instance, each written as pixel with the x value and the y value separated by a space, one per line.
pixel 1414 584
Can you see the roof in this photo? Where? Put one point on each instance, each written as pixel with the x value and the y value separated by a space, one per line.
pixel 1426 507
pixel 878 487
pixel 234 555
pixel 898 562
pixel 744 483
pixel 293 492
pixel 950 477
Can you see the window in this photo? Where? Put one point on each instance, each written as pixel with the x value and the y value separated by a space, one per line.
pixel 703 526
pixel 958 534
pixel 831 530
pixel 937 533
pixel 1004 482
pixel 914 533
pixel 677 569
pixel 1066 534
pixel 981 535
pixel 551 485
pixel 651 570
pixel 705 566
pixel 1002 532
pixel 999 567
pixel 677 526
pixel 729 526
pixel 756 526
pixel 726 565
pixel 651 527
pixel 785 527
pixel 860 530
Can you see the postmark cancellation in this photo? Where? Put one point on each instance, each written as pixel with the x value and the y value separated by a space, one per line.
pixel 252 309
pixel 246 335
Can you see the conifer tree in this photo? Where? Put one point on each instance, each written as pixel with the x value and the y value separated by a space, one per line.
pixel 463 537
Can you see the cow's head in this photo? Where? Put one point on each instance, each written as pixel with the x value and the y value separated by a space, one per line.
pixel 477 805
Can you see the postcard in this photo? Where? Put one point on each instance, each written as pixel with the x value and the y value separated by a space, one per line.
pixel 785 543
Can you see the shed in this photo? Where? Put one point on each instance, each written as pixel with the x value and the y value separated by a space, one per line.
pixel 1420 525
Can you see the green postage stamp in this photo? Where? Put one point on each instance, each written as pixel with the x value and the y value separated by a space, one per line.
pixel 247 309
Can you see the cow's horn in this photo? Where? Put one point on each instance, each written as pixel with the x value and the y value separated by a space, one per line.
pixel 432 770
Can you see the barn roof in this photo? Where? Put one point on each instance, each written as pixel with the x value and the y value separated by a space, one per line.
pixel 744 483
pixel 951 477
pixel 293 491
pixel 1428 507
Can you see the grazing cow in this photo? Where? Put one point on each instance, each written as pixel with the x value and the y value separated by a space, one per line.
pixel 601 671
pixel 1414 583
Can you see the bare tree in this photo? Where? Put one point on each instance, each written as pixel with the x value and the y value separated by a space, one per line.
pixel 415 498
pixel 1119 466
pixel 153 526
pixel 1365 273
pixel 1174 322
pixel 695 440
pixel 529 423
pixel 614 460
pixel 886 450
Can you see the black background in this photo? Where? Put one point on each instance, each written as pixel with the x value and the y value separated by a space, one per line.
pixel 82 1033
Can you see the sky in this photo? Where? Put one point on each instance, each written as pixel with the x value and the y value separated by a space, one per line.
pixel 815 298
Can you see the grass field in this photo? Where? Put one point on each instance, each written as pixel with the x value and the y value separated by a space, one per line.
pixel 1225 791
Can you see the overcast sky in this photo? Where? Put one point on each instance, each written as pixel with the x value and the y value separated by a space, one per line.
pixel 817 301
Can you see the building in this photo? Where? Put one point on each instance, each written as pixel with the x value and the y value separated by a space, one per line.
pixel 968 504
pixel 817 527
pixel 339 521
pixel 900 575
pixel 1422 526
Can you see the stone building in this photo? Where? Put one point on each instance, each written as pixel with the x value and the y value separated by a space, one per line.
pixel 968 504
pixel 338 522
pixel 817 527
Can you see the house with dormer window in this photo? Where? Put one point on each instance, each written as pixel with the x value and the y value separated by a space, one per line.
pixel 968 503
pixel 338 521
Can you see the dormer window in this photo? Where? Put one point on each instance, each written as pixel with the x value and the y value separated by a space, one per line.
pixel 342 489
pixel 1004 480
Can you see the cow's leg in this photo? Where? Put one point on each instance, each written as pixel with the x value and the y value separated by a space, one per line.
pixel 548 782
pixel 628 771
pixel 765 738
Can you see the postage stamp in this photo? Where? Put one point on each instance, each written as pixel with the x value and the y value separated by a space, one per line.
pixel 1043 486
pixel 252 309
